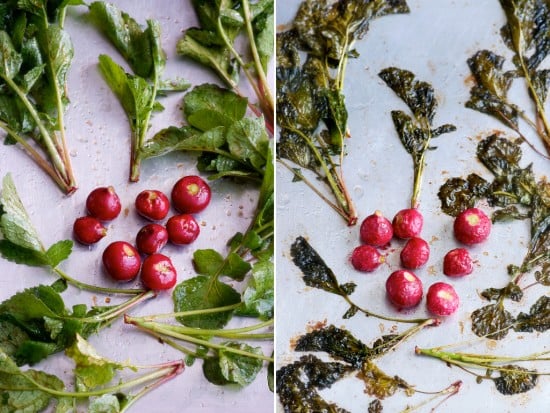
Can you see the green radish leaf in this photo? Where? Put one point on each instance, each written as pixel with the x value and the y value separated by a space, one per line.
pixel 247 139
pixel 258 297
pixel 15 224
pixel 91 370
pixel 237 368
pixel 19 255
pixel 208 262
pixel 59 252
pixel 10 59
pixel 201 293
pixel 208 106
pixel 133 42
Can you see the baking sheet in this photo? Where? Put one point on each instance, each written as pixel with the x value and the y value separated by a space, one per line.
pixel 98 137
pixel 433 41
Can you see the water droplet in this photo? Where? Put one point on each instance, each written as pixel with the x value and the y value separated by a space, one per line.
pixel 284 199
pixel 359 191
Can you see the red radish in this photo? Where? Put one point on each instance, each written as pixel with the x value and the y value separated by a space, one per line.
pixel 415 253
pixel 152 204
pixel 151 238
pixel 376 230
pixel 191 194
pixel 366 258
pixel 404 289
pixel 407 223
pixel 88 230
pixel 103 203
pixel 121 261
pixel 158 272
pixel 457 263
pixel 442 299
pixel 182 229
pixel 472 226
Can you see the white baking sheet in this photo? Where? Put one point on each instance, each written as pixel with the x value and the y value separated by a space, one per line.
pixel 98 135
pixel 433 41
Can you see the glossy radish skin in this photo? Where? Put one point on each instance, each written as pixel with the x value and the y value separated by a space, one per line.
pixel 472 226
pixel 158 272
pixel 152 204
pixel 404 289
pixel 366 258
pixel 121 261
pixel 376 230
pixel 151 238
pixel 407 223
pixel 442 299
pixel 191 194
pixel 457 263
pixel 103 203
pixel 88 230
pixel 415 253
pixel 182 229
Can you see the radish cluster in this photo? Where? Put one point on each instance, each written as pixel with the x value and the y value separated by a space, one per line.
pixel 124 261
pixel 404 289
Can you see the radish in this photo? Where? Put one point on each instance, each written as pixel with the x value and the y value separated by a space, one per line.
pixel 151 238
pixel 376 230
pixel 88 230
pixel 121 261
pixel 442 299
pixel 472 226
pixel 415 253
pixel 103 203
pixel 158 272
pixel 407 223
pixel 366 258
pixel 191 194
pixel 182 229
pixel 404 289
pixel 152 204
pixel 457 263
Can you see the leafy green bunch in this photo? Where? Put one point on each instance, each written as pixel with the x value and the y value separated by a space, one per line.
pixel 311 109
pixel 223 25
pixel 138 92
pixel 35 57
pixel 33 391
pixel 527 34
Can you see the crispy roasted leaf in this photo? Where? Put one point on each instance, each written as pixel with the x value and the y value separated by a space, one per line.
pixel 515 380
pixel 379 384
pixel 511 291
pixel 458 194
pixel 338 343
pixel 418 95
pixel 297 384
pixel 492 321
pixel 489 94
pixel 538 318
pixel 315 271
